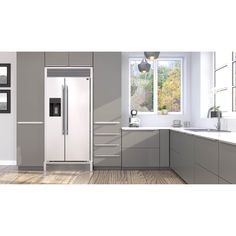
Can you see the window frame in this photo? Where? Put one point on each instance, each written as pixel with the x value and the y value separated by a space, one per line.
pixel 155 84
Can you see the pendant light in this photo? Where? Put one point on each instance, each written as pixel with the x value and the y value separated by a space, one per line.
pixel 151 55
pixel 144 66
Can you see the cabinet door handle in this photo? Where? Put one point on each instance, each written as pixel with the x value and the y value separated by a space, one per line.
pixel 107 134
pixel 106 145
pixel 106 122
pixel 106 155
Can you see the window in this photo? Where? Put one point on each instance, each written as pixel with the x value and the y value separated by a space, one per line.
pixel 160 87
pixel 224 81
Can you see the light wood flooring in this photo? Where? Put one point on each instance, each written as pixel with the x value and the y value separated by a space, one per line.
pixel 11 175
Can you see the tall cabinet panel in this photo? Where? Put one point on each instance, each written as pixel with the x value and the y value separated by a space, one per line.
pixel 30 109
pixel 107 109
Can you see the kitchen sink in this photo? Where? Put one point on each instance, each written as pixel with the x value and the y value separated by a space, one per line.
pixel 207 130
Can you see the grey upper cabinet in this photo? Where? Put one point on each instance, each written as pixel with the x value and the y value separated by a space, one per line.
pixel 56 59
pixel 206 154
pixel 30 86
pixel 107 86
pixel 164 148
pixel 227 162
pixel 80 59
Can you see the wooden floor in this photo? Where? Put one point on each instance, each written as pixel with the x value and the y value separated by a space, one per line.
pixel 10 175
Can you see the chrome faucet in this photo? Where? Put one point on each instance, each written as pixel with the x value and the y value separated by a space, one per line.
pixel 218 125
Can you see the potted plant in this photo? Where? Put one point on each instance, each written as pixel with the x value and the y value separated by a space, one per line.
pixel 164 110
pixel 215 111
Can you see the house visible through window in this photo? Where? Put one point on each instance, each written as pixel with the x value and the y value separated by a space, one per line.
pixel 160 88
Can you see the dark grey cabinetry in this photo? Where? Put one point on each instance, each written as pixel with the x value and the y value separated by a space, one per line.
pixel 80 59
pixel 68 59
pixel 181 155
pixel 227 162
pixel 206 161
pixel 30 109
pixel 164 148
pixel 140 149
pixel 56 59
pixel 107 110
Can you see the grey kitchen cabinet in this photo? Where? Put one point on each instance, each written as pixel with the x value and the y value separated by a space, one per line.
pixel 181 155
pixel 204 176
pixel 164 148
pixel 140 149
pixel 107 86
pixel 140 139
pixel 222 181
pixel 80 59
pixel 30 109
pixel 227 162
pixel 30 86
pixel 140 158
pixel 107 109
pixel 206 153
pixel 56 59
pixel 30 145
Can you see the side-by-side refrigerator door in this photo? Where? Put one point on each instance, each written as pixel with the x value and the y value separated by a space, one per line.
pixel 54 119
pixel 78 119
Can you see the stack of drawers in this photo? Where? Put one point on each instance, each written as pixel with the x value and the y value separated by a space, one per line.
pixel 107 144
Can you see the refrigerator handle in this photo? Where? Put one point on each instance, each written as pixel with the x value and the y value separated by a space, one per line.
pixel 63 116
pixel 67 115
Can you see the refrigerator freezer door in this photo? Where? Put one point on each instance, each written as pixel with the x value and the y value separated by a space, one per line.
pixel 78 119
pixel 54 138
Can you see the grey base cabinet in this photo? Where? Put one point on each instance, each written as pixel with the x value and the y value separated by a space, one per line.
pixel 204 176
pixel 181 155
pixel 140 149
pixel 227 162
pixel 164 148
pixel 30 145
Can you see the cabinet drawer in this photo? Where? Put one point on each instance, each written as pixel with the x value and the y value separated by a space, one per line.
pixel 140 139
pixel 203 176
pixel 107 138
pixel 107 128
pixel 206 154
pixel 110 161
pixel 107 150
pixel 140 158
pixel 227 162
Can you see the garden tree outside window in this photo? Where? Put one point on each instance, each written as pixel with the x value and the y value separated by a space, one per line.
pixel 160 87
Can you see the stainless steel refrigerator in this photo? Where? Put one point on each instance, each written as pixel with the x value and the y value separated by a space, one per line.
pixel 68 115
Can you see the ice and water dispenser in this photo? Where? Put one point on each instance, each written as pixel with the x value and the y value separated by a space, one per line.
pixel 55 106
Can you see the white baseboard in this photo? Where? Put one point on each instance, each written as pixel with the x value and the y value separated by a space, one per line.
pixel 7 163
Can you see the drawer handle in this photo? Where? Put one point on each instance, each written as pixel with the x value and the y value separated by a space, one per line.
pixel 106 145
pixel 107 155
pixel 29 122
pixel 107 134
pixel 106 122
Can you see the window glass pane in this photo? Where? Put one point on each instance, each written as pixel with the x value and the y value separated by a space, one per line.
pixel 141 88
pixel 234 99
pixel 222 58
pixel 223 100
pixel 169 84
pixel 234 73
pixel 223 77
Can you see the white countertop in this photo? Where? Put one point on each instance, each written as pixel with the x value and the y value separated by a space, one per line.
pixel 227 137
